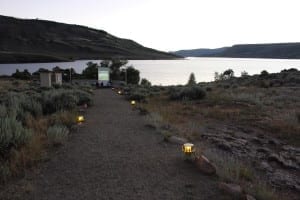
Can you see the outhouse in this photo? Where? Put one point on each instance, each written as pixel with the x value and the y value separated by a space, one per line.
pixel 45 77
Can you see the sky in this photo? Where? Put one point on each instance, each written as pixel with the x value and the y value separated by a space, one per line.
pixel 170 25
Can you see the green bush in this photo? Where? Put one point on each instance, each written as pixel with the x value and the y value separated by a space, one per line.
pixel 83 97
pixel 187 93
pixel 57 134
pixel 63 99
pixel 12 133
pixel 18 104
pixel 56 100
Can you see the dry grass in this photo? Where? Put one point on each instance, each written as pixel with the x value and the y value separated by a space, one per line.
pixel 275 110
pixel 230 169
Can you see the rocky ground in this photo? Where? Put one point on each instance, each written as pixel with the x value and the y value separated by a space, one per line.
pixel 279 161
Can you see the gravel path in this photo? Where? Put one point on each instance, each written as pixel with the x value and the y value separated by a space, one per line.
pixel 115 156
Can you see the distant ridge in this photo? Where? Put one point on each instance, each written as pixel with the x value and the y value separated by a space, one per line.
pixel 276 50
pixel 33 40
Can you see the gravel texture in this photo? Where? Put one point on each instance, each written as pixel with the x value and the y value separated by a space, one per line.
pixel 113 155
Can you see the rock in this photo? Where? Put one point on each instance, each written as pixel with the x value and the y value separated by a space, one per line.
pixel 274 142
pixel 231 189
pixel 257 140
pixel 263 150
pixel 241 141
pixel 249 197
pixel 150 126
pixel 284 179
pixel 274 157
pixel 177 140
pixel 284 162
pixel 291 149
pixel 265 166
pixel 205 166
pixel 297 187
pixel 224 145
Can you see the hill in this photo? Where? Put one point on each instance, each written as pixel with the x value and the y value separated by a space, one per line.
pixel 198 52
pixel 30 40
pixel 279 51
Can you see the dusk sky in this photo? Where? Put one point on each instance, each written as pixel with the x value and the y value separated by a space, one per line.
pixel 173 24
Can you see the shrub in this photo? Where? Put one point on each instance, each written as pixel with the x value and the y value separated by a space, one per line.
pixel 56 100
pixel 12 134
pixel 3 111
pixel 66 118
pixel 83 97
pixel 145 82
pixel 192 80
pixel 4 171
pixel 20 104
pixel 57 134
pixel 63 99
pixel 187 93
pixel 264 73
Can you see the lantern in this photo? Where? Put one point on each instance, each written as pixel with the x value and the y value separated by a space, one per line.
pixel 80 119
pixel 188 149
pixel 120 92
pixel 133 102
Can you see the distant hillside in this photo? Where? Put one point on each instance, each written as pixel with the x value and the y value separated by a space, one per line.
pixel 23 40
pixel 198 52
pixel 280 51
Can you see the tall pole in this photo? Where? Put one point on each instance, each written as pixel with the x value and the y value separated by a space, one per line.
pixel 70 74
pixel 126 76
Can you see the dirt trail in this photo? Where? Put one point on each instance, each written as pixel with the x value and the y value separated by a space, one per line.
pixel 115 156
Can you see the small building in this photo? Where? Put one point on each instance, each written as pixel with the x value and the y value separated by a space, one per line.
pixel 103 76
pixel 57 78
pixel 45 78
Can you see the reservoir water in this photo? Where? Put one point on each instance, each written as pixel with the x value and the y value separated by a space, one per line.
pixel 171 72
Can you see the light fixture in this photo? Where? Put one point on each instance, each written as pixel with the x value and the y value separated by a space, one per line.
pixel 133 102
pixel 119 92
pixel 80 119
pixel 188 149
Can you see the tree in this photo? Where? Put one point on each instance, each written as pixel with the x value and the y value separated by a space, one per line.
pixel 264 73
pixel 115 72
pixel 133 76
pixel 91 71
pixel 227 74
pixel 217 76
pixel 244 74
pixel 192 79
pixel 145 82
pixel 25 75
pixel 66 74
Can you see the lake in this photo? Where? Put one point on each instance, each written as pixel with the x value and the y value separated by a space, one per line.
pixel 169 72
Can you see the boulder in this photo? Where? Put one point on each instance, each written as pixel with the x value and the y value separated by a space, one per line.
pixel 205 166
pixel 177 140
pixel 232 189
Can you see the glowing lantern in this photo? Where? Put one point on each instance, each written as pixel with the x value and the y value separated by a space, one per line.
pixel 188 149
pixel 80 119
pixel 133 103
pixel 119 92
